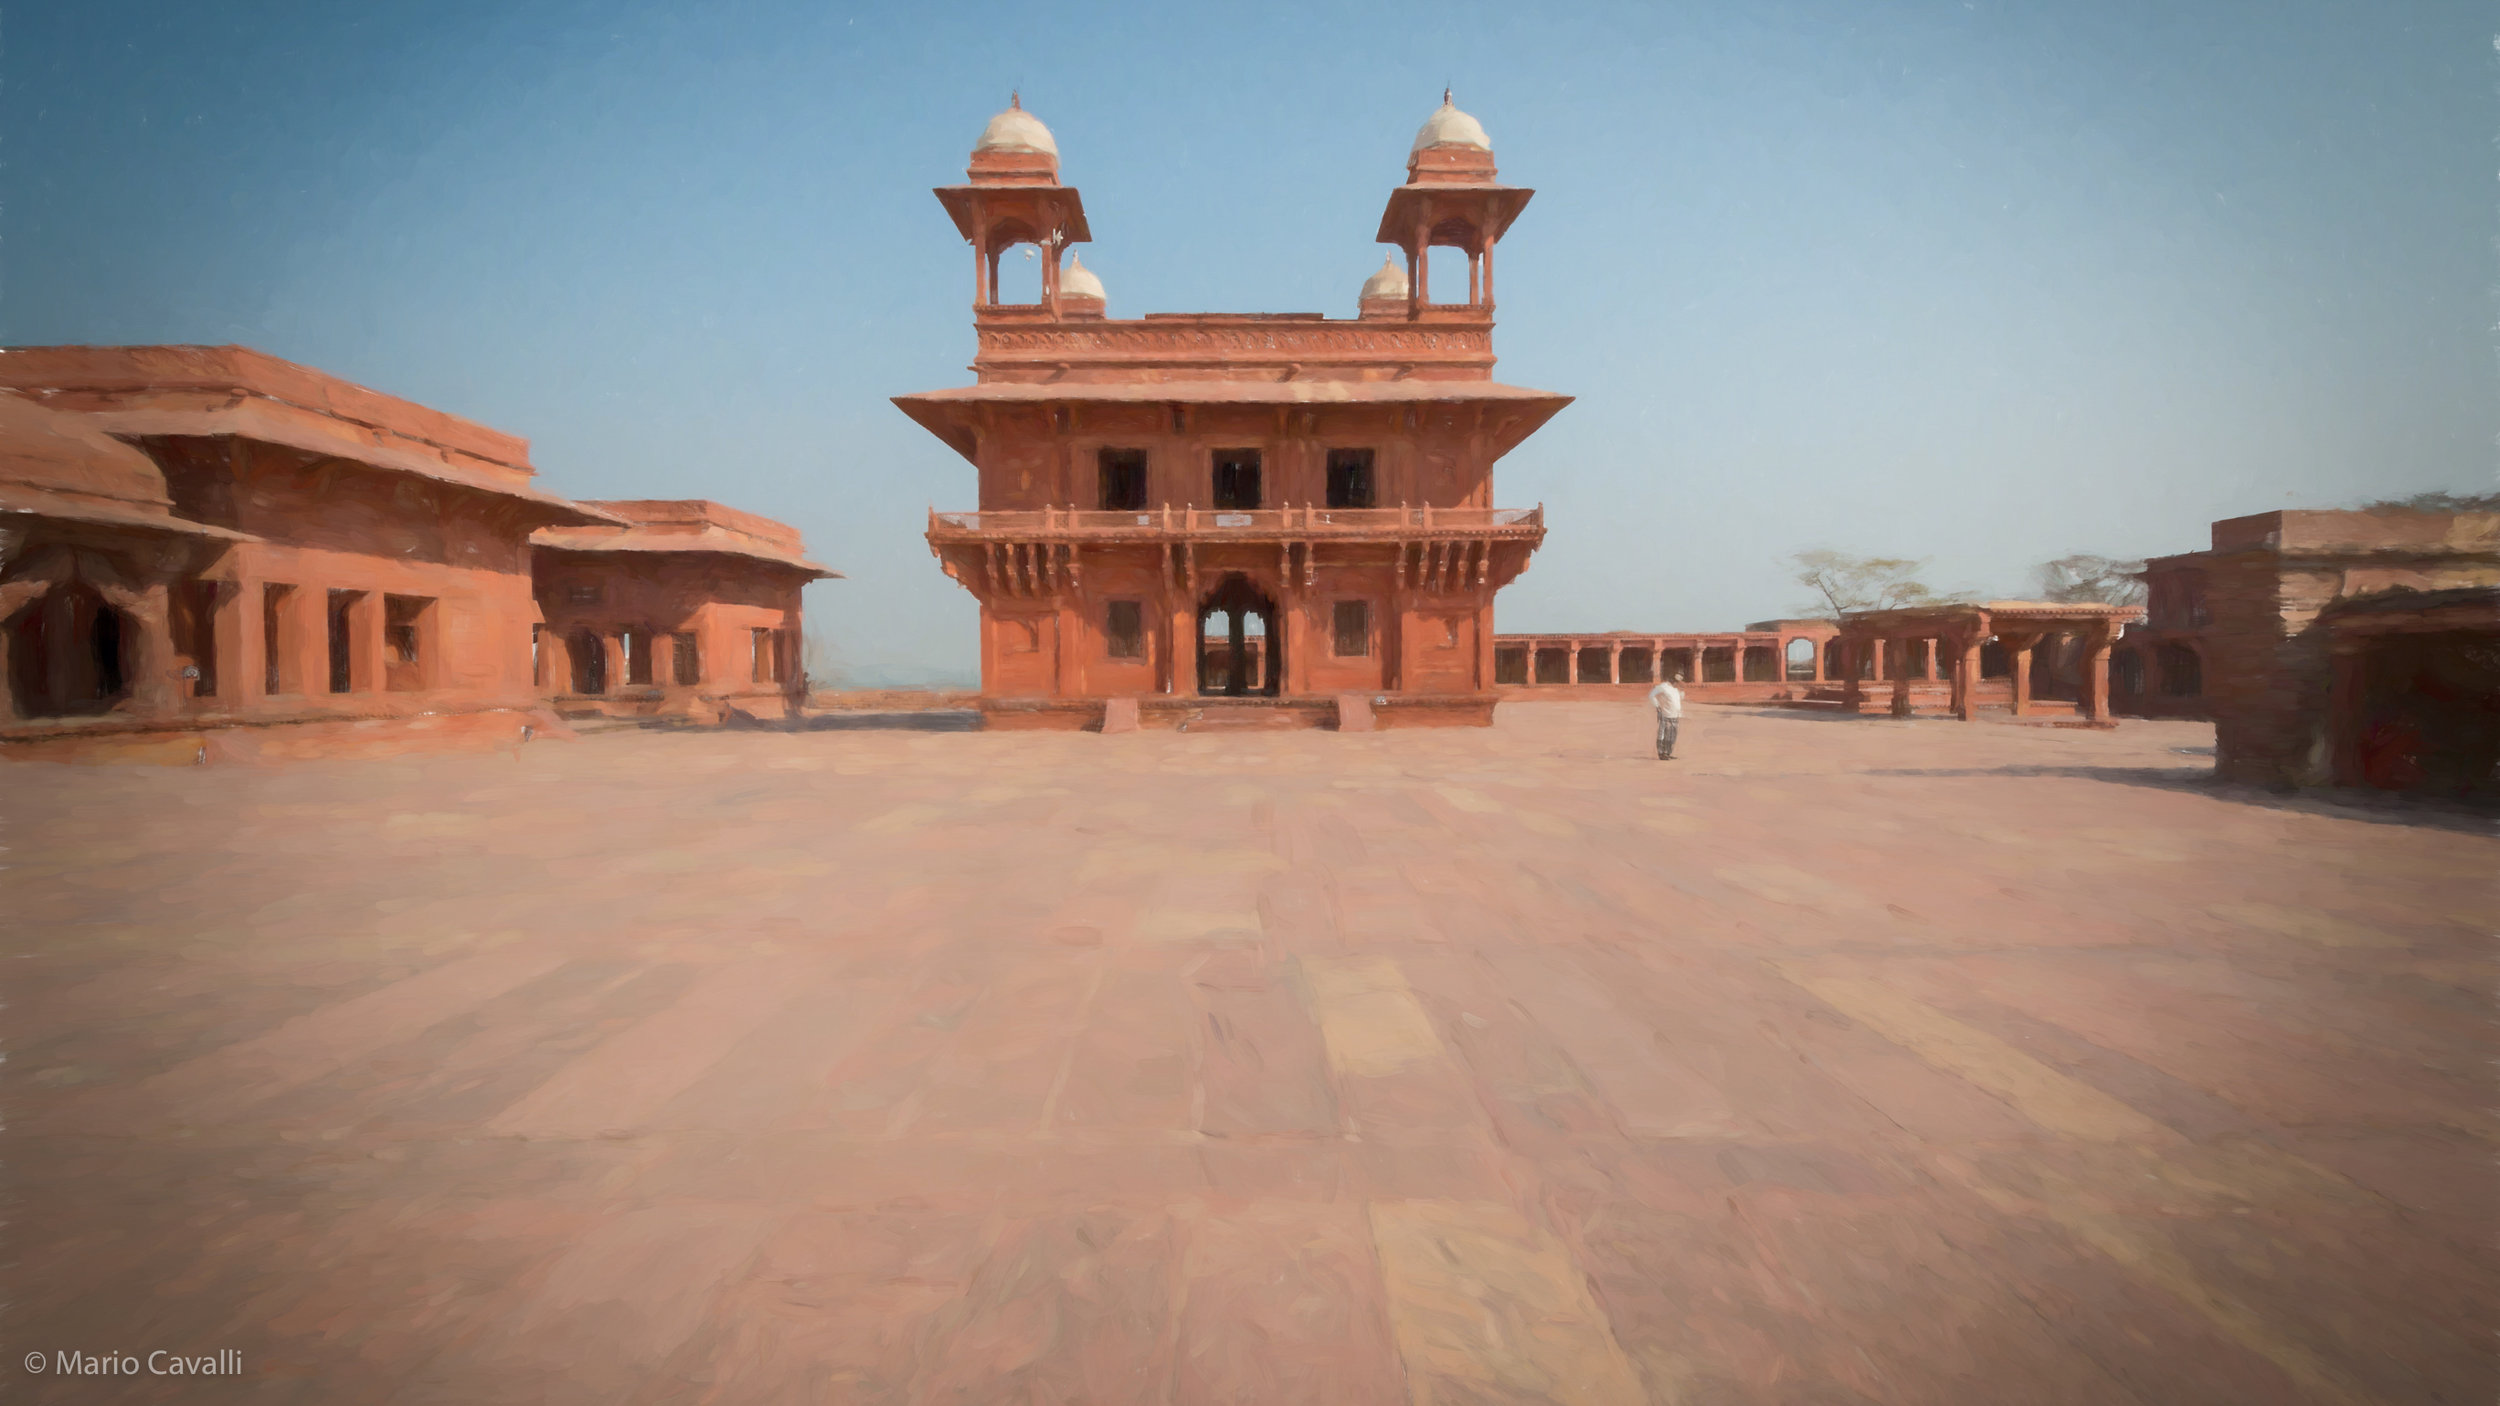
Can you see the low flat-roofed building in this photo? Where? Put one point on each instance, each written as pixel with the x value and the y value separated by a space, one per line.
pixel 680 608
pixel 304 552
pixel 2283 601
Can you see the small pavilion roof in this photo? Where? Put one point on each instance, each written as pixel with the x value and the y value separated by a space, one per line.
pixel 690 525
pixel 1984 617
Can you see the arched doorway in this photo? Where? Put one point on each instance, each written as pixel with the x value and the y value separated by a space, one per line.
pixel 1251 659
pixel 69 653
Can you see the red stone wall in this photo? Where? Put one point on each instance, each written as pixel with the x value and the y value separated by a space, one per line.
pixel 721 600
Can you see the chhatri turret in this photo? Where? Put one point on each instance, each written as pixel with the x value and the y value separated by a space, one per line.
pixel 1452 200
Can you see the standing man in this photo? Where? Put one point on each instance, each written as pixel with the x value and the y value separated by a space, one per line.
pixel 1669 701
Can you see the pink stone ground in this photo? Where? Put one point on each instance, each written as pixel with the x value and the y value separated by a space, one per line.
pixel 1842 1061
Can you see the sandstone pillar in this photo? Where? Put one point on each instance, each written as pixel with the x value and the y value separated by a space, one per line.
pixel 367 660
pixel 1852 686
pixel 234 636
pixel 154 691
pixel 612 649
pixel 1571 661
pixel 2096 673
pixel 1966 676
pixel 1614 664
pixel 2019 649
pixel 1294 639
pixel 303 622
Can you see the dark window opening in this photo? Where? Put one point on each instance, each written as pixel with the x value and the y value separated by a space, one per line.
pixel 1237 479
pixel 1510 665
pixel 2182 671
pixel 2126 673
pixel 343 641
pixel 274 608
pixel 1995 662
pixel 1718 664
pixel 1350 478
pixel 1636 666
pixel 1125 629
pixel 1354 628
pixel 638 658
pixel 403 642
pixel 686 665
pixel 1596 663
pixel 1553 665
pixel 104 640
pixel 1123 480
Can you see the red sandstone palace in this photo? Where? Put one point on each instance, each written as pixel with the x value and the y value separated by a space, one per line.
pixel 1276 512
pixel 209 552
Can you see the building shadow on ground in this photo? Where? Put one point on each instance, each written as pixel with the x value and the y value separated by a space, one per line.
pixel 2377 807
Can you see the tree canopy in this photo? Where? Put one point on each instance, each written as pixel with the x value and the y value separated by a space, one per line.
pixel 2087 577
pixel 1848 583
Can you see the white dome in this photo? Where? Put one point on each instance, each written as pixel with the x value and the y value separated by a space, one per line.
pixel 1451 127
pixel 1390 282
pixel 1078 281
pixel 1016 130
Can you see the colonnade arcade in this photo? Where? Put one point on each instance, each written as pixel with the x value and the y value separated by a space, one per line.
pixel 1749 656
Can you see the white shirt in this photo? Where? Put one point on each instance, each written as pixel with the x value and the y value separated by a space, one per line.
pixel 1667 699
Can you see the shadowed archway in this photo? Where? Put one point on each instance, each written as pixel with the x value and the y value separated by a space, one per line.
pixel 1236 673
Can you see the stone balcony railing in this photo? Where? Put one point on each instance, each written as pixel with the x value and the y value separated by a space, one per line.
pixel 1198 524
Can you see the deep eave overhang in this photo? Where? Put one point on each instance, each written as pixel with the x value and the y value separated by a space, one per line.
pixel 272 422
pixel 959 203
pixel 603 542
pixel 1397 219
pixel 949 413
pixel 19 502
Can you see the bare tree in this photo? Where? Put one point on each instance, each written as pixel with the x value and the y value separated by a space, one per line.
pixel 1850 583
pixel 2437 502
pixel 2086 577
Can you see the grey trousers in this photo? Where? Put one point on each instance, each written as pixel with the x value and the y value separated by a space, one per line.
pixel 1666 736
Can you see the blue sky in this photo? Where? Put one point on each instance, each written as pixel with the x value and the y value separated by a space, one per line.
pixel 1975 282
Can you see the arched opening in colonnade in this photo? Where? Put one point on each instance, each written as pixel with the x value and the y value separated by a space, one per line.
pixel 1800 661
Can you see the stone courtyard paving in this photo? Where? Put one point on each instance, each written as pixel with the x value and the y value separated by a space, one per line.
pixel 1842 1061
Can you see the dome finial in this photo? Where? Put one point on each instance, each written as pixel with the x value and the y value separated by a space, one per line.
pixel 1445 97
pixel 1015 100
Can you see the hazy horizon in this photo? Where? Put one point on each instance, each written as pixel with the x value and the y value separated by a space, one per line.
pixel 1982 284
